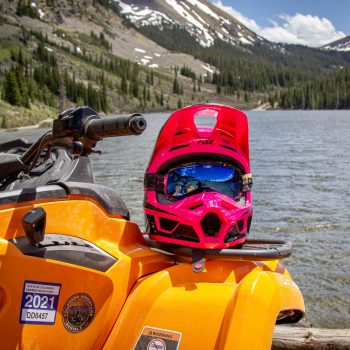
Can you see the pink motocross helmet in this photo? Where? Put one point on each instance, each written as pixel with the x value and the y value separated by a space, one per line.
pixel 198 182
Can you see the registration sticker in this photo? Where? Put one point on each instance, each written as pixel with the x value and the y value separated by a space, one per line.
pixel 39 302
pixel 158 339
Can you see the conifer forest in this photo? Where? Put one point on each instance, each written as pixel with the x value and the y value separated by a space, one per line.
pixel 65 68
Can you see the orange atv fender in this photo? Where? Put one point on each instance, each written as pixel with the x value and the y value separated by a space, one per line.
pixel 232 304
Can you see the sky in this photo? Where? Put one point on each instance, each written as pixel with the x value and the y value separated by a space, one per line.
pixel 307 22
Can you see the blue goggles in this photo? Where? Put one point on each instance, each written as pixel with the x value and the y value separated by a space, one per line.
pixel 195 178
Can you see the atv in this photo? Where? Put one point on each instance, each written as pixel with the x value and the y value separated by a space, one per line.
pixel 76 273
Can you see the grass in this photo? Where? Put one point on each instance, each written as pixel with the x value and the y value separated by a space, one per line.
pixel 12 116
pixel 2 21
pixel 6 46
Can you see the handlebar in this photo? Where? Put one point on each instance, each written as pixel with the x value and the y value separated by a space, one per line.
pixel 134 124
pixel 80 129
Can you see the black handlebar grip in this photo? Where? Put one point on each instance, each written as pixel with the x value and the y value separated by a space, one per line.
pixel 134 124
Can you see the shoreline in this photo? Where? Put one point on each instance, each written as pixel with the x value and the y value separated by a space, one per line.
pixel 47 123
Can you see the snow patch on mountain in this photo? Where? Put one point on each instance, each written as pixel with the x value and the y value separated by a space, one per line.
pixel 209 40
pixel 147 16
pixel 41 13
pixel 244 40
pixel 227 21
pixel 340 45
pixel 195 16
pixel 204 8
pixel 184 4
pixel 144 61
pixel 209 68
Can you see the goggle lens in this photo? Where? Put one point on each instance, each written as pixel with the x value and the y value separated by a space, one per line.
pixel 184 180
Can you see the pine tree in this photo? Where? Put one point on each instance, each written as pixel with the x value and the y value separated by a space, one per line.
pixel 62 95
pixel 3 122
pixel 124 85
pixel 179 103
pixel 11 91
pixel 104 96
pixel 176 86
pixel 218 88
pixel 152 77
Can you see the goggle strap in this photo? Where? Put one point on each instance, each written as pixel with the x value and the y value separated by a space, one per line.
pixel 247 181
pixel 154 182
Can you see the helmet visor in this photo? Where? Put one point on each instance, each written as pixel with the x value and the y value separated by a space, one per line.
pixel 195 178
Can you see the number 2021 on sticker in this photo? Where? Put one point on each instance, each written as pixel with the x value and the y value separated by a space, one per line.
pixel 39 302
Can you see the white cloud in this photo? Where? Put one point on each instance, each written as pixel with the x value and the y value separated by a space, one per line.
pixel 298 29
pixel 250 23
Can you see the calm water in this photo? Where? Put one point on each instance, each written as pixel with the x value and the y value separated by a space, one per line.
pixel 301 167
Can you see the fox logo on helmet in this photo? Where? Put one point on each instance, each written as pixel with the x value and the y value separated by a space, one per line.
pixel 205 142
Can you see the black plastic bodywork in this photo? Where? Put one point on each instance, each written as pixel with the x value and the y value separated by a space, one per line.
pixel 60 166
pixel 67 249
pixel 106 197
pixel 59 176
pixel 34 223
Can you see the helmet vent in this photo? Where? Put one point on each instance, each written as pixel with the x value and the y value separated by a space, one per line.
pixel 230 148
pixel 240 224
pixel 177 147
pixel 208 121
pixel 211 224
pixel 151 224
pixel 206 118
pixel 225 133
pixel 249 223
pixel 233 234
pixel 167 224
pixel 196 206
pixel 179 133
pixel 186 233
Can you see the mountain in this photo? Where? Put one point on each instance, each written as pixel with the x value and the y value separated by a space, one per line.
pixel 84 52
pixel 202 20
pixel 202 30
pixel 122 56
pixel 339 45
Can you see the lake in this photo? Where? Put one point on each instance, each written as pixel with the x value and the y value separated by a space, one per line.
pixel 300 161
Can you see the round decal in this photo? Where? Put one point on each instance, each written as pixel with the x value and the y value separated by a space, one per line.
pixel 156 344
pixel 78 312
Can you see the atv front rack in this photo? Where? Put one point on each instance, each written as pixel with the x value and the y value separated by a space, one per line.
pixel 252 249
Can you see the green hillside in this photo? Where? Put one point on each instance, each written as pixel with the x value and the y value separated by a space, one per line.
pixel 46 66
pixel 54 68
pixel 277 70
